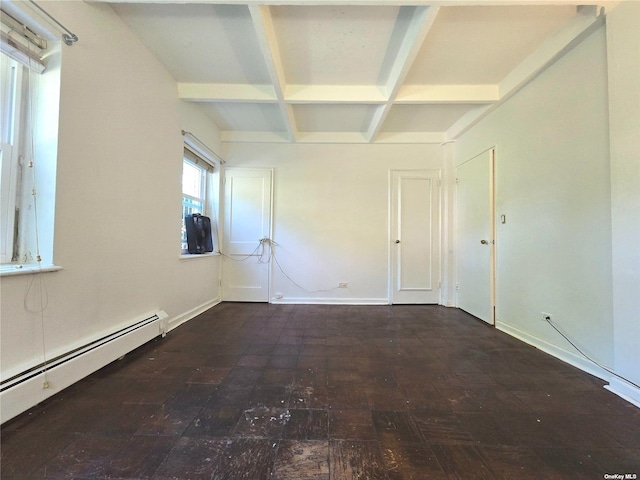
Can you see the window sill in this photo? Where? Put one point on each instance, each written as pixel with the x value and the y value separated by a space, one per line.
pixel 10 270
pixel 190 256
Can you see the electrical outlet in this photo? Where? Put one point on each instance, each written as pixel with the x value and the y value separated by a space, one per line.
pixel 546 317
pixel 278 296
pixel 457 287
pixel 343 285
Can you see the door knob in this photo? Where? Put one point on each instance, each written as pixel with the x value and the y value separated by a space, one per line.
pixel 484 242
pixel 397 241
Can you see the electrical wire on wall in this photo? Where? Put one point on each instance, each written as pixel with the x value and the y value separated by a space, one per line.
pixel 273 244
pixel 265 253
pixel 579 350
pixel 37 277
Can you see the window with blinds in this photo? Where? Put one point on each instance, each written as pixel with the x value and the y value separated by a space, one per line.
pixel 28 149
pixel 196 190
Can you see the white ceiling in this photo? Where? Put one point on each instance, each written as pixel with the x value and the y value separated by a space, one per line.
pixel 367 72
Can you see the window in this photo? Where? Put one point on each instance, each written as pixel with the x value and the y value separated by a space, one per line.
pixel 195 180
pixel 14 99
pixel 29 101
pixel 198 192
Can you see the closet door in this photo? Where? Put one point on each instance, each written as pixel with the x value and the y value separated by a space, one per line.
pixel 475 237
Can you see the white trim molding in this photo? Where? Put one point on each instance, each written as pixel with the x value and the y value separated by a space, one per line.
pixel 12 269
pixel 194 312
pixel 624 390
pixel 565 355
pixel 329 301
pixel 31 384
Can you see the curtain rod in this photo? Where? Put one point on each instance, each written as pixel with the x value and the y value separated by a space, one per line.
pixel 185 133
pixel 69 38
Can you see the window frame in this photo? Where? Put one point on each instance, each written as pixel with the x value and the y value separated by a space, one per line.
pixel 14 142
pixel 203 200
pixel 194 155
pixel 28 223
pixel 20 61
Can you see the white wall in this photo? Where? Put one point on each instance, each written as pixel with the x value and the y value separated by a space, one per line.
pixel 331 214
pixel 553 185
pixel 623 39
pixel 117 221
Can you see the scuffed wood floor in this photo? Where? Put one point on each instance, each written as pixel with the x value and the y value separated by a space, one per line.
pixel 257 391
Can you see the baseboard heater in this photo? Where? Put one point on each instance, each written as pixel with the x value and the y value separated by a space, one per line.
pixel 28 388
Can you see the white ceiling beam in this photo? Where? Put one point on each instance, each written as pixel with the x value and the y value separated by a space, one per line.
pixel 303 137
pixel 419 26
pixel 437 94
pixel 224 92
pixel 411 137
pixel 552 49
pixel 421 21
pixel 350 94
pixel 337 94
pixel 265 32
pixel 332 137
pixel 236 136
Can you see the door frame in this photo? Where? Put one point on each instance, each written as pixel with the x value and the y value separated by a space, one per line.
pixel 492 232
pixel 223 220
pixel 437 246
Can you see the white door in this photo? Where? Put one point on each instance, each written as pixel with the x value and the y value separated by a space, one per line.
pixel 475 241
pixel 415 234
pixel 247 220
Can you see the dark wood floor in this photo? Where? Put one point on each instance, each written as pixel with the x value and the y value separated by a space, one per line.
pixel 257 391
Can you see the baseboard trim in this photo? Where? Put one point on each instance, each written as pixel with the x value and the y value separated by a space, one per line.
pixel 624 390
pixel 330 301
pixel 74 365
pixel 194 312
pixel 558 352
pixel 618 386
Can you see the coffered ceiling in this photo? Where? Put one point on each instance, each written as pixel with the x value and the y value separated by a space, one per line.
pixel 356 72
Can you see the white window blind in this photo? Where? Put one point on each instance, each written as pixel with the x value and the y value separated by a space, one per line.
pixel 199 160
pixel 21 44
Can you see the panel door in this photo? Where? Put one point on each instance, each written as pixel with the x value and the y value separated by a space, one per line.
pixel 475 242
pixel 247 220
pixel 415 237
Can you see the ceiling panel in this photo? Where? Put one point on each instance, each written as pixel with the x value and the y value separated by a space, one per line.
pixel 200 43
pixel 333 45
pixel 246 117
pixel 424 118
pixel 481 45
pixel 333 118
